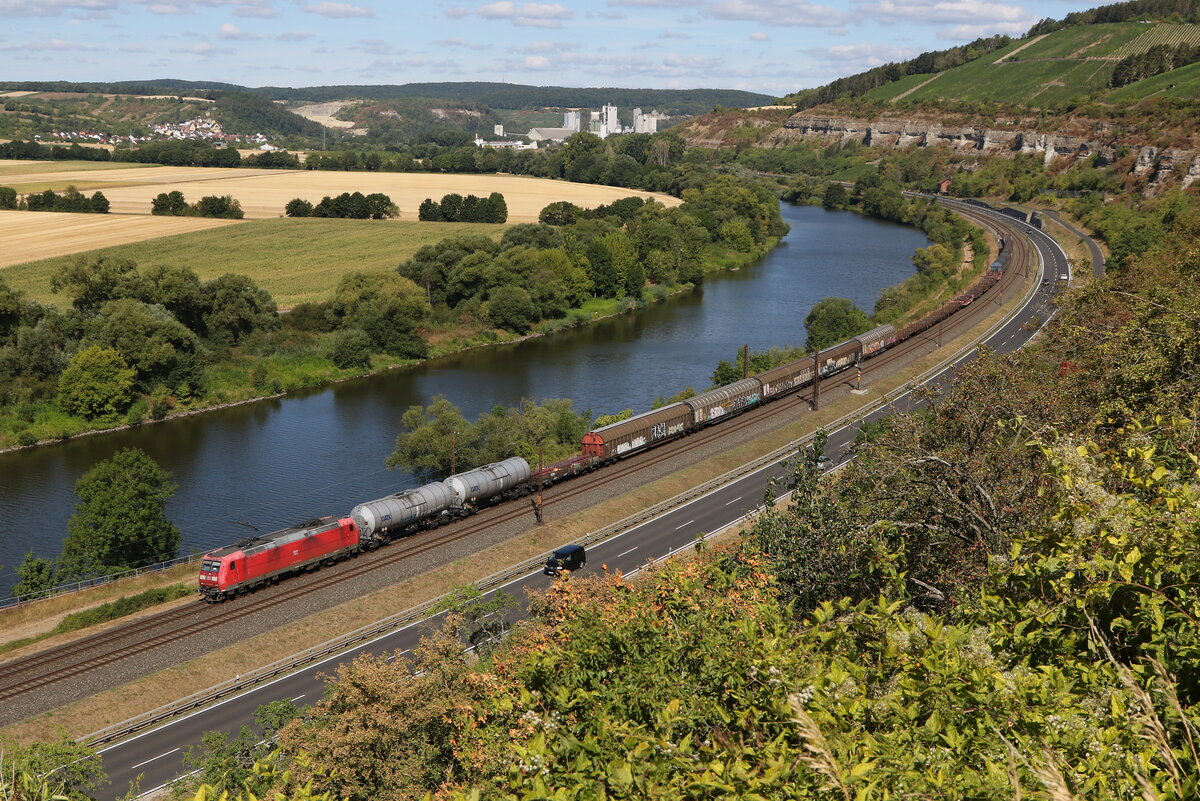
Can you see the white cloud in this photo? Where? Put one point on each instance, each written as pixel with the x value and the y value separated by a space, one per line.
pixel 967 33
pixel 457 12
pixel 50 45
pixel 376 47
pixel 168 8
pixel 256 12
pixel 848 59
pixel 759 36
pixel 293 36
pixel 657 3
pixel 338 10
pixel 537 63
pixel 228 31
pixel 527 15
pixel 778 12
pixel 690 62
pixel 52 8
pixel 463 43
pixel 976 12
pixel 670 34
pixel 205 49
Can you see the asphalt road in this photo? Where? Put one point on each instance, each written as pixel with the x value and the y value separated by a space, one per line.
pixel 155 757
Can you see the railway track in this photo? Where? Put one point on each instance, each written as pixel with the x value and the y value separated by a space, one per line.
pixel 52 666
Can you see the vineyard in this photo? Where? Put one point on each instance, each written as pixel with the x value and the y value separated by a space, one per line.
pixel 1169 35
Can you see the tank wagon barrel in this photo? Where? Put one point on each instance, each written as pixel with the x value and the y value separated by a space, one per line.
pixel 382 515
pixel 485 483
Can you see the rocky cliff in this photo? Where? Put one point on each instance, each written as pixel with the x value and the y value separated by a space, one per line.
pixel 1079 140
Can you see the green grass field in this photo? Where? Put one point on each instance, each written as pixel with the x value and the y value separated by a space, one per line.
pixel 296 260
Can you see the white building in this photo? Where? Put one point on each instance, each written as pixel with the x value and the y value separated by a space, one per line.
pixel 571 119
pixel 645 123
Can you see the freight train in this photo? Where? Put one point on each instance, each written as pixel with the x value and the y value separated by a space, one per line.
pixel 262 560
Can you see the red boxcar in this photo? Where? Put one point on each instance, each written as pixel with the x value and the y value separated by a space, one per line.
pixel 252 563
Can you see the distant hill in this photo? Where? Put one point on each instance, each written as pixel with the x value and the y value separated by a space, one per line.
pixel 676 102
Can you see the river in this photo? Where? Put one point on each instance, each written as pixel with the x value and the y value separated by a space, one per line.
pixel 276 462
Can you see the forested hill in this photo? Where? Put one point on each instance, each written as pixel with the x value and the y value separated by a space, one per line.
pixel 677 102
pixel 1058 63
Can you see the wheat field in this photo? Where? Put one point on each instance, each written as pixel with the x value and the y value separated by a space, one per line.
pixel 264 193
pixel 30 235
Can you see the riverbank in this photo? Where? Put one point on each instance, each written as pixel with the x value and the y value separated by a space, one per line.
pixel 245 379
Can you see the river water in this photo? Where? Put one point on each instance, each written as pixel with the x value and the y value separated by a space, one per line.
pixel 276 462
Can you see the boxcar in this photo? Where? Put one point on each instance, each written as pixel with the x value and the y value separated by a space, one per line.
pixel 728 399
pixel 640 431
pixel 786 377
pixel 838 357
pixel 250 564
pixel 875 340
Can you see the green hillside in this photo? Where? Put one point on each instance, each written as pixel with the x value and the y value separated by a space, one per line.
pixel 1052 69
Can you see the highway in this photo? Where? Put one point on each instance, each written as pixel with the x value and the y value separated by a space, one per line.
pixel 156 755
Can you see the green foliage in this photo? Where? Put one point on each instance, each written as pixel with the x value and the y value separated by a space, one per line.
pixel 71 200
pixel 119 520
pixel 298 207
pixel 97 383
pixel 355 206
pixel 437 439
pixel 61 770
pixel 511 307
pixel 122 607
pixel 235 307
pixel 456 208
pixel 35 577
pixel 351 349
pixel 173 204
pixel 833 320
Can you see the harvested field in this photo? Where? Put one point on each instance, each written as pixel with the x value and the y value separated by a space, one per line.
pixel 264 193
pixel 46 169
pixel 30 235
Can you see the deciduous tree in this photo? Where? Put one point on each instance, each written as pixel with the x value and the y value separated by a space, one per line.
pixel 120 520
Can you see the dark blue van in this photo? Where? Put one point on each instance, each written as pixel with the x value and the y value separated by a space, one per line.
pixel 568 557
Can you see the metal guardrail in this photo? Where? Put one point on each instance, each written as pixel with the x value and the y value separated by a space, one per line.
pixel 373 631
pixel 78 586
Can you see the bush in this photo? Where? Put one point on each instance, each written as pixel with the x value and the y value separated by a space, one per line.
pixel 121 607
pixel 351 349
pixel 27 438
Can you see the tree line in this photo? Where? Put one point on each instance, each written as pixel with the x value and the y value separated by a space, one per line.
pixel 453 207
pixel 173 204
pixel 348 205
pixel 1154 61
pixel 71 200
pixel 540 272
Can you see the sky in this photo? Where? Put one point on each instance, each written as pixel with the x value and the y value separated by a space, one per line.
pixel 768 46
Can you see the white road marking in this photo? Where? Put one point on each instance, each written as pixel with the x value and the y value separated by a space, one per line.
pixel 631 550
pixel 151 759
pixel 735 500
pixel 688 523
pixel 297 698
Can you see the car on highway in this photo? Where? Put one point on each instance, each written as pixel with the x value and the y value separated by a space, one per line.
pixel 566 558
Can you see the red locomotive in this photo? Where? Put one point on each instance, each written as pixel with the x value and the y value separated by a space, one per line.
pixel 252 563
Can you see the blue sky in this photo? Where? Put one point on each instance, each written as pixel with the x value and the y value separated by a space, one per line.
pixel 769 46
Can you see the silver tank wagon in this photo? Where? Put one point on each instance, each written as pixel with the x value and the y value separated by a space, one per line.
pixel 488 481
pixel 403 508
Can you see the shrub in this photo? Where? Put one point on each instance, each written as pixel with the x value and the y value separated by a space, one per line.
pixel 351 349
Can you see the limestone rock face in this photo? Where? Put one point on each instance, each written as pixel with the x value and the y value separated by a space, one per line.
pixel 1100 144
